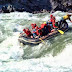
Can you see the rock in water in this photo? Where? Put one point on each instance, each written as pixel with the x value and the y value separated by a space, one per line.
pixel 38 5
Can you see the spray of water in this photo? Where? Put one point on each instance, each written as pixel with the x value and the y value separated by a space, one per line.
pixel 54 56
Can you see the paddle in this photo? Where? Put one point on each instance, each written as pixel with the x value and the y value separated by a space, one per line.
pixel 61 31
pixel 42 40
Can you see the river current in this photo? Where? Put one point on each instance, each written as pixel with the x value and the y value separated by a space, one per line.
pixel 53 56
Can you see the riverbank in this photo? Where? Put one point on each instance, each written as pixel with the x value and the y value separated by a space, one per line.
pixel 35 6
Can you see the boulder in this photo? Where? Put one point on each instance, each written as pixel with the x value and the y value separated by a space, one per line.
pixel 37 5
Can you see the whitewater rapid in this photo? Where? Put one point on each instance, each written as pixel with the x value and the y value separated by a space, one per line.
pixel 54 56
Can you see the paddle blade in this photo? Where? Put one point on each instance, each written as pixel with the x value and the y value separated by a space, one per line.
pixel 61 31
pixel 42 40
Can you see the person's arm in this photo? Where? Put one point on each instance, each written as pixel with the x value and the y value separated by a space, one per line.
pixel 22 34
pixel 69 19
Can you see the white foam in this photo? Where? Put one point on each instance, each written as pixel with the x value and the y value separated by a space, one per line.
pixel 65 58
pixel 10 48
pixel 59 13
pixel 19 15
pixel 60 63
pixel 0 33
pixel 46 18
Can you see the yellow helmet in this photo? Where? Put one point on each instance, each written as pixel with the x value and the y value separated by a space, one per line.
pixel 44 22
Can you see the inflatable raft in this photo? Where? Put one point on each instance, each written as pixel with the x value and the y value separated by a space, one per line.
pixel 33 41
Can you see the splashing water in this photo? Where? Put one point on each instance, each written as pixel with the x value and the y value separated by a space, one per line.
pixel 54 56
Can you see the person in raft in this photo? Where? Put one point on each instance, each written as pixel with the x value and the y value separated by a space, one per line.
pixel 33 30
pixel 27 32
pixel 36 31
pixel 45 28
pixel 50 21
pixel 64 18
pixel 53 23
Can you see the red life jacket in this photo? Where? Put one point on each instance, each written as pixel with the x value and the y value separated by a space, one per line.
pixel 38 31
pixel 36 27
pixel 33 26
pixel 51 18
pixel 27 31
pixel 53 22
pixel 34 30
pixel 43 25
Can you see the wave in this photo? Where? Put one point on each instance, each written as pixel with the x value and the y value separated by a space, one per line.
pixel 54 56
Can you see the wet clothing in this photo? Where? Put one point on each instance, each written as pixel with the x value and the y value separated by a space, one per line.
pixel 51 21
pixel 51 18
pixel 36 27
pixel 39 32
pixel 66 17
pixel 45 29
pixel 43 25
pixel 49 29
pixel 27 32
pixel 63 19
pixel 54 23
pixel 33 26
pixel 50 25
pixel 34 33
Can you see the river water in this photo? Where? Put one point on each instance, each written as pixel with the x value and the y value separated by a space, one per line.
pixel 53 56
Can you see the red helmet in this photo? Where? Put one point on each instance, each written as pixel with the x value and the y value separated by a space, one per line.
pixel 32 24
pixel 35 25
pixel 51 15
